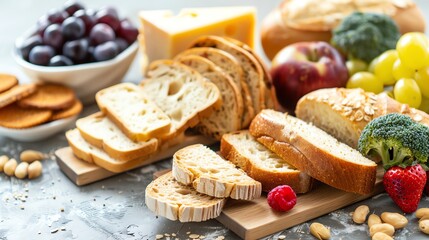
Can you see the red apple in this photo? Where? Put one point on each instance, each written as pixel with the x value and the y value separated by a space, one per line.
pixel 304 67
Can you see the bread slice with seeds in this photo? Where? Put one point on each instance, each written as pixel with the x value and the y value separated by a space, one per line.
pixel 167 198
pixel 210 174
pixel 262 164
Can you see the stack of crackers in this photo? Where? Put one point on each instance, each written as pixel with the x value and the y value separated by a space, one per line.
pixel 29 105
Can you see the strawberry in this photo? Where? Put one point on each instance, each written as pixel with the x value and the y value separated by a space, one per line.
pixel 405 186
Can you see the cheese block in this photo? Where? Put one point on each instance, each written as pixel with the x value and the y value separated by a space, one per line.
pixel 167 34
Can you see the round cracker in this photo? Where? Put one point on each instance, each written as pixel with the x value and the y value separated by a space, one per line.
pixel 76 108
pixel 7 81
pixel 14 116
pixel 15 93
pixel 50 96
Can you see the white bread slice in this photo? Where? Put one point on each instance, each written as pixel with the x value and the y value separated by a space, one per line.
pixel 166 197
pixel 326 159
pixel 262 164
pixel 100 131
pixel 210 174
pixel 182 93
pixel 228 117
pixel 128 106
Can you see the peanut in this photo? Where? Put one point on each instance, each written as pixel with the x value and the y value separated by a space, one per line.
pixel 373 219
pixel 3 160
pixel 382 227
pixel 421 212
pixel 9 167
pixel 424 217
pixel 31 156
pixel 424 226
pixel 397 220
pixel 359 215
pixel 381 236
pixel 34 170
pixel 22 170
pixel 320 231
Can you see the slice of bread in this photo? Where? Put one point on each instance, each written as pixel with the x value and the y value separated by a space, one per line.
pixel 228 117
pixel 210 174
pixel 166 197
pixel 262 164
pixel 231 67
pixel 182 93
pixel 326 159
pixel 98 130
pixel 131 109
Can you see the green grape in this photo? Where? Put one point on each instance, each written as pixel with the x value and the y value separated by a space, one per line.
pixel 401 71
pixel 384 66
pixel 424 106
pixel 422 79
pixel 407 91
pixel 372 65
pixel 355 66
pixel 367 81
pixel 413 50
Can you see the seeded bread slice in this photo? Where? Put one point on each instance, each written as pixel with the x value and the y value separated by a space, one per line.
pixel 166 197
pixel 326 159
pixel 98 130
pixel 131 109
pixel 182 93
pixel 262 164
pixel 228 117
pixel 231 67
pixel 210 174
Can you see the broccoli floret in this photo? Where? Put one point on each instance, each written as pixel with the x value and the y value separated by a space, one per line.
pixel 365 36
pixel 397 139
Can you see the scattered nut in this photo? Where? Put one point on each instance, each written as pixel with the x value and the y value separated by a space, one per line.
pixel 421 212
pixel 359 215
pixel 424 217
pixel 424 226
pixel 34 170
pixel 3 160
pixel 31 156
pixel 9 167
pixel 373 219
pixel 320 231
pixel 397 220
pixel 381 236
pixel 382 227
pixel 21 170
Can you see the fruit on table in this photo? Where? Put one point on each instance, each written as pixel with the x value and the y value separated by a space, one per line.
pixel 407 91
pixel 367 81
pixel 304 67
pixel 281 198
pixel 75 35
pixel 384 65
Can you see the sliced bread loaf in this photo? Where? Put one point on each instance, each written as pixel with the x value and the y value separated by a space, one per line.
pixel 131 109
pixel 228 117
pixel 210 174
pixel 182 93
pixel 166 197
pixel 326 159
pixel 262 164
pixel 98 130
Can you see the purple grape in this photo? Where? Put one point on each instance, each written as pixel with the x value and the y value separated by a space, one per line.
pixel 87 18
pixel 26 45
pixel 109 18
pixel 109 9
pixel 122 44
pixel 76 50
pixel 41 55
pixel 42 24
pixel 73 28
pixel 60 60
pixel 106 51
pixel 101 33
pixel 72 6
pixel 53 36
pixel 57 16
pixel 127 31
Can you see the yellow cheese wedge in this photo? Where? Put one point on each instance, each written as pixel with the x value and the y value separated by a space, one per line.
pixel 167 34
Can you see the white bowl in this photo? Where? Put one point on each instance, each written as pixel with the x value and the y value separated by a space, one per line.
pixel 38 132
pixel 85 79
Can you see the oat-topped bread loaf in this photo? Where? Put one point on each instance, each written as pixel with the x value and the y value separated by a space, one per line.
pixel 208 173
pixel 326 159
pixel 131 109
pixel 182 93
pixel 344 113
pixel 228 117
pixel 262 164
pixel 168 198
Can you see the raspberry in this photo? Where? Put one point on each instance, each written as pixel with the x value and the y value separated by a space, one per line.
pixel 282 198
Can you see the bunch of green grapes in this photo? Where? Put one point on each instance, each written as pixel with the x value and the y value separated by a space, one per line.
pixel 406 68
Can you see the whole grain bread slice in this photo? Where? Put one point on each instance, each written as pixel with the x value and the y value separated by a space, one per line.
pixel 262 164
pixel 166 197
pixel 228 117
pixel 210 174
pixel 326 159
